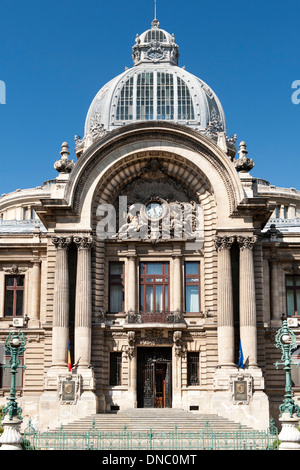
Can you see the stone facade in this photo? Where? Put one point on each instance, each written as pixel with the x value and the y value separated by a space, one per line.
pixel 241 232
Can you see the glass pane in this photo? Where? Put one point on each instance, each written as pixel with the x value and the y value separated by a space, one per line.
pixel 116 268
pixel 289 281
pixel 20 281
pixel 297 308
pixel 192 298
pixel 166 298
pixel 19 304
pixel 9 302
pixel 290 303
pixel 142 298
pixel 297 280
pixel 154 268
pixel 192 268
pixel 159 299
pixel 149 298
pixel 10 281
pixel 116 298
pixel 166 268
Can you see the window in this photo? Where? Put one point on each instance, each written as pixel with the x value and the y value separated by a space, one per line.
pixel 125 104
pixel 115 368
pixel 116 287
pixel 165 96
pixel 14 296
pixel 293 295
pixel 192 286
pixel 193 368
pixel 155 35
pixel 185 103
pixel 144 96
pixel 154 285
pixel 5 374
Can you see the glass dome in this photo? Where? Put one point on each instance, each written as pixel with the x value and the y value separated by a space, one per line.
pixel 155 88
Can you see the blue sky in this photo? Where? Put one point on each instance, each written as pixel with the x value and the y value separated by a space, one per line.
pixel 56 54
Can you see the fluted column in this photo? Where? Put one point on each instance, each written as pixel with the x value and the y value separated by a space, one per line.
pixel 248 330
pixel 275 313
pixel 61 302
pixel 225 302
pixel 83 303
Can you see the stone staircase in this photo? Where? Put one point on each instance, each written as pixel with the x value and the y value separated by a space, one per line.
pixel 144 419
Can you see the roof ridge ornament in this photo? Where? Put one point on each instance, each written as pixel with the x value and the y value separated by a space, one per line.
pixel 243 163
pixel 64 165
pixel 155 22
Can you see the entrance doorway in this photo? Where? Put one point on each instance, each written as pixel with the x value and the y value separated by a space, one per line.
pixel 154 377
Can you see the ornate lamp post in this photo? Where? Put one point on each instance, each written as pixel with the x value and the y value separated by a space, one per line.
pixel 11 437
pixel 289 410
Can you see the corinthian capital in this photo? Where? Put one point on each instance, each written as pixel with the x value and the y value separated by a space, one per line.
pixel 223 243
pixel 246 243
pixel 83 243
pixel 61 243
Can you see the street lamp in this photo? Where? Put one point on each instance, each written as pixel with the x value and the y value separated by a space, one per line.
pixel 289 410
pixel 286 340
pixel 11 437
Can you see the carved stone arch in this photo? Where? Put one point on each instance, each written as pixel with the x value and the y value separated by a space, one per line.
pixel 199 153
pixel 130 169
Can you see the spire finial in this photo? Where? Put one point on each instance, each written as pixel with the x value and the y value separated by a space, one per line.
pixel 155 22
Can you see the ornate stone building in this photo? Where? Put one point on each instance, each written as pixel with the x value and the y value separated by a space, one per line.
pixel 151 259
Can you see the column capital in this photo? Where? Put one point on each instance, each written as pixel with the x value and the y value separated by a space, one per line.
pixel 246 243
pixel 84 243
pixel 61 243
pixel 223 243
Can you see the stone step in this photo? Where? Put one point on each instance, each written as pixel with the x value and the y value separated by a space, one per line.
pixel 142 419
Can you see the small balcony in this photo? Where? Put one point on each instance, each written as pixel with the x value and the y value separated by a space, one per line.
pixel 155 317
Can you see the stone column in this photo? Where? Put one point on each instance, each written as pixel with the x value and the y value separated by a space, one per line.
pixel 35 291
pixel 225 302
pixel 131 284
pixel 248 331
pixel 61 303
pixel 83 303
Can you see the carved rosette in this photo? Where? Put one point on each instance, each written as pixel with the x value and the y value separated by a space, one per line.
pixel 224 243
pixel 61 243
pixel 246 243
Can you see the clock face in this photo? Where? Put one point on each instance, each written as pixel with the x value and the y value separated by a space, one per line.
pixel 154 210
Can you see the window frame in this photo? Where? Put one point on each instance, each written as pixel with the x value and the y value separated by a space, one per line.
pixel 113 277
pixel 115 368
pixel 14 289
pixel 5 357
pixel 144 283
pixel 188 282
pixel 191 368
pixel 294 288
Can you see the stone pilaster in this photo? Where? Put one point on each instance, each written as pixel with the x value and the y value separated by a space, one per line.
pixel 225 302
pixel 177 286
pixel 83 303
pixel 61 303
pixel 35 291
pixel 131 288
pixel 248 330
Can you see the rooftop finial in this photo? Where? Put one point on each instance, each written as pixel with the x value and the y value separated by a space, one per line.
pixel 155 22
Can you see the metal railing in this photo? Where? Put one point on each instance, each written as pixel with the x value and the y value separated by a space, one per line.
pixel 204 439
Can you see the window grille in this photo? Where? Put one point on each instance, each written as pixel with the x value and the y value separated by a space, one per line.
pixel 193 368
